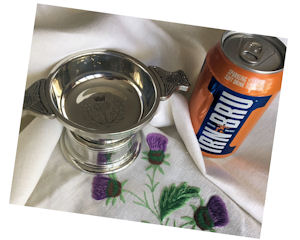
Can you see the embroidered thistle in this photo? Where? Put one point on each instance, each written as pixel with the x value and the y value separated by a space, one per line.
pixel 156 156
pixel 107 187
pixel 214 214
pixel 173 197
pixel 217 211
pixel 158 145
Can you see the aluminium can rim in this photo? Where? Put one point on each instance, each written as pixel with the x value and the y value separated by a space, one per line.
pixel 278 44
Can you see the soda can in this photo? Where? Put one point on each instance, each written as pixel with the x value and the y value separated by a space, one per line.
pixel 240 77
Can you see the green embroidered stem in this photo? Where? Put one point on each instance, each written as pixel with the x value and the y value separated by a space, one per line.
pixel 143 203
pixel 188 223
pixel 144 221
pixel 133 194
pixel 152 190
pixel 166 223
pixel 148 206
pixel 202 203
pixel 155 208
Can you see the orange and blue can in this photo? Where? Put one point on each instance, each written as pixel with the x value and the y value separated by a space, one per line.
pixel 240 77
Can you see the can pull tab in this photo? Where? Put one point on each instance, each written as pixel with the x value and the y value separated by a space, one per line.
pixel 251 52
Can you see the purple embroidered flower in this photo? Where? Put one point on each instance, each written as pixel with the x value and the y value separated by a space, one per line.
pixel 108 187
pixel 214 214
pixel 105 187
pixel 217 211
pixel 158 145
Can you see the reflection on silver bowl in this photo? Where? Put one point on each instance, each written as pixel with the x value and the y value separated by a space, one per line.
pixel 103 98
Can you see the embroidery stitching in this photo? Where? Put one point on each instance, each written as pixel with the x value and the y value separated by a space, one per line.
pixel 214 214
pixel 172 197
pixel 107 188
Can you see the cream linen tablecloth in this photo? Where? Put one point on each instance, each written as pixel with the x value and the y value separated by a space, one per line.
pixel 45 179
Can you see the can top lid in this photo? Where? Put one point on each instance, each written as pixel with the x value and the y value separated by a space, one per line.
pixel 256 53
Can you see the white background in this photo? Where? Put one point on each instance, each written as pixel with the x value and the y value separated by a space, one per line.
pixel 278 18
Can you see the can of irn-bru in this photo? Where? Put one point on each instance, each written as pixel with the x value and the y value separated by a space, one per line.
pixel 240 77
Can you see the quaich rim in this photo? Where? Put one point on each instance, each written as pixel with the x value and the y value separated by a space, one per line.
pixel 94 133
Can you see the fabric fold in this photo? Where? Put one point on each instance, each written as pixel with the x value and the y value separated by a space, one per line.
pixel 181 115
pixel 35 145
pixel 242 176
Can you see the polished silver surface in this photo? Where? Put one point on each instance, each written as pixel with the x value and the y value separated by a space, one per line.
pixel 257 53
pixel 103 98
pixel 103 95
pixel 99 158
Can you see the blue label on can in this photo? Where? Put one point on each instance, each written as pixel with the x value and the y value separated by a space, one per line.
pixel 225 117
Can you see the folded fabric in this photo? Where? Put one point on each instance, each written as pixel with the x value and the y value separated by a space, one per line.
pixel 181 115
pixel 35 145
pixel 244 175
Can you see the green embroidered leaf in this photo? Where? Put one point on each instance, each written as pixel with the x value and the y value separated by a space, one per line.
pixel 138 203
pixel 183 225
pixel 186 218
pixel 114 201
pixel 193 207
pixel 149 167
pixel 112 176
pixel 122 198
pixel 202 203
pixel 161 170
pixel 174 197
pixel 145 197
pixel 155 186
pixel 144 221
pixel 123 183
pixel 167 221
pixel 166 162
pixel 149 187
pixel 107 201
pixel 150 179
